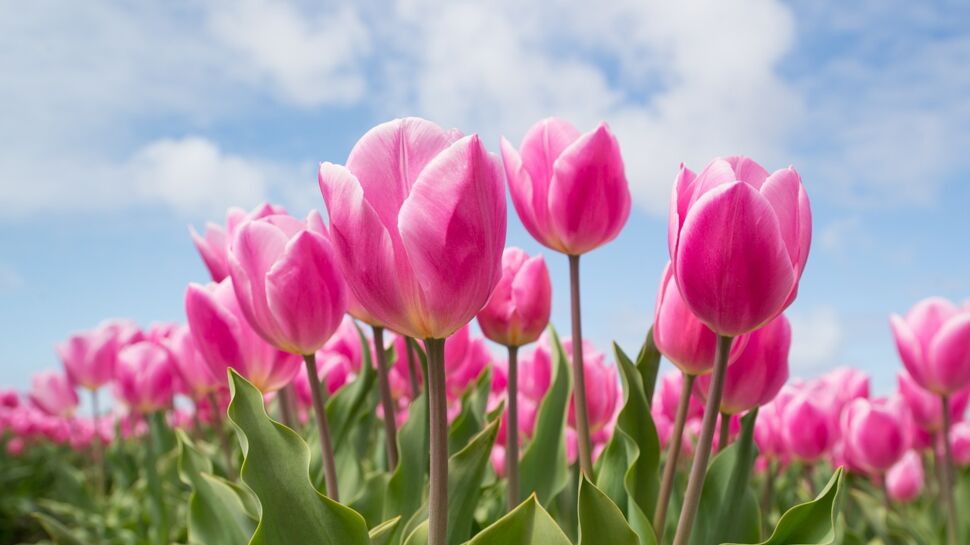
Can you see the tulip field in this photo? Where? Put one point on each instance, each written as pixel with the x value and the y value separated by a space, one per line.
pixel 384 371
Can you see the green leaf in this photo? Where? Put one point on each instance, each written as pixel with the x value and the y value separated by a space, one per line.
pixel 419 536
pixel 384 532
pixel 600 520
pixel 648 364
pixel 370 502
pixel 405 489
pixel 276 468
pixel 814 522
pixel 217 515
pixel 527 524
pixel 58 532
pixel 731 526
pixel 471 420
pixel 349 403
pixel 543 469
pixel 466 470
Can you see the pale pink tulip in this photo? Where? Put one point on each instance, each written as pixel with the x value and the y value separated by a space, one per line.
pixel 194 372
pixel 926 407
pixel 53 393
pixel 213 245
pixel 145 377
pixel 904 481
pixel 960 443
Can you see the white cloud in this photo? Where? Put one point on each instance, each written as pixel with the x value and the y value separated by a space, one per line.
pixel 816 339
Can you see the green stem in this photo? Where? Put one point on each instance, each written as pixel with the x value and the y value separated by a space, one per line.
pixel 768 495
pixel 673 454
pixel 437 401
pixel 695 483
pixel 512 433
pixel 947 473
pixel 319 395
pixel 387 402
pixel 579 375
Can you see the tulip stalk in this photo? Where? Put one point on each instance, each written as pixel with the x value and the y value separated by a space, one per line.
pixel 512 433
pixel 695 483
pixel 323 427
pixel 579 374
pixel 284 398
pixel 387 402
pixel 947 473
pixel 413 371
pixel 673 455
pixel 438 408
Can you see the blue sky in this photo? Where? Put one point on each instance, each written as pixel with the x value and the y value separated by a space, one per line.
pixel 124 123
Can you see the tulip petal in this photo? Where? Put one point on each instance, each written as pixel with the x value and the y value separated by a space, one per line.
pixel 525 193
pixel 214 328
pixel 784 191
pixel 212 247
pixel 949 354
pixel 256 247
pixel 733 268
pixel 748 170
pixel 927 317
pixel 679 199
pixel 305 292
pixel 589 198
pixel 453 226
pixel 532 297
pixel 910 350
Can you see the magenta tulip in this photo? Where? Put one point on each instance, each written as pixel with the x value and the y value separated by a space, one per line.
pixel 417 217
pixel 53 393
pixel 739 239
pixel 569 189
pixel 603 394
pixel 668 397
pixel 904 481
pixel 226 340
pixel 518 311
pixel 194 372
pixel 934 343
pixel 926 407
pixel 145 377
pixel 960 443
pixel 213 245
pixel 759 371
pixel 876 433
pixel 806 428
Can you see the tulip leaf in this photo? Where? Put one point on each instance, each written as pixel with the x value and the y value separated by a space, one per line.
pixel 648 364
pixel 384 532
pixel 351 402
pixel 814 522
pixel 405 489
pixel 543 469
pixel 217 513
pixel 59 533
pixel 600 520
pixel 527 524
pixel 419 536
pixel 628 470
pixel 471 419
pixel 276 468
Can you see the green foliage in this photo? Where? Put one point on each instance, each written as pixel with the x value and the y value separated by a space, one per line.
pixel 527 524
pixel 600 520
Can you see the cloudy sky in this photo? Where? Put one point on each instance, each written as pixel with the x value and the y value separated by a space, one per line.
pixel 124 122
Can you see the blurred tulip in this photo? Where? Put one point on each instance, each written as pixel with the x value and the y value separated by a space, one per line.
pixel 213 245
pixel 603 392
pixel 806 428
pixel 926 407
pixel 15 446
pixel 145 377
pixel 53 393
pixel 934 344
pixel 9 399
pixel 904 481
pixel 739 239
pixel 518 311
pixel 225 339
pixel 960 443
pixel 195 373
pixel 668 397
pixel 759 371
pixel 876 433
pixel 418 219
pixel 569 189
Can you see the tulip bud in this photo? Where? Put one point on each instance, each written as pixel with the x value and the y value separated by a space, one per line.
pixel 518 311
pixel 806 428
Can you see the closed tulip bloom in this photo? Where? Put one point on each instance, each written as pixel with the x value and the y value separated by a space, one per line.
pixel 569 189
pixel 934 343
pixel 926 407
pixel 876 432
pixel 194 372
pixel 806 427
pixel 89 357
pixel 213 244
pixel 145 377
pixel 759 371
pixel 960 443
pixel 518 311
pixel 603 391
pixel 418 219
pixel 53 393
pixel 904 481
pixel 288 283
pixel 739 239
pixel 668 397
pixel 224 337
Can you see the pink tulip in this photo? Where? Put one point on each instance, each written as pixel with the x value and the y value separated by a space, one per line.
pixel 400 372
pixel 89 357
pixel 53 393
pixel 213 245
pixel 226 340
pixel 960 443
pixel 465 359
pixel 768 434
pixel 904 481
pixel 668 397
pixel 9 399
pixel 287 282
pixel 418 219
pixel 338 362
pixel 145 377
pixel 518 311
pixel 876 433
pixel 739 239
pixel 806 428
pixel 569 189
pixel 15 447
pixel 194 372
pixel 846 384
pixel 926 408
pixel 934 344
pixel 603 391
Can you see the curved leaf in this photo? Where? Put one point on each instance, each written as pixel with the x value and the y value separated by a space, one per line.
pixel 276 468
pixel 405 489
pixel 527 524
pixel 814 522
pixel 59 533
pixel 383 532
pixel 713 503
pixel 471 419
pixel 600 520
pixel 543 469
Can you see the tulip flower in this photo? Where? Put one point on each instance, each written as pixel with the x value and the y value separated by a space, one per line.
pixel 213 244
pixel 516 315
pixel 418 219
pixel 669 392
pixel 904 481
pixel 194 373
pixel 876 433
pixel 89 357
pixel 53 393
pixel 806 428
pixel 960 443
pixel 739 239
pixel 145 377
pixel 926 407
